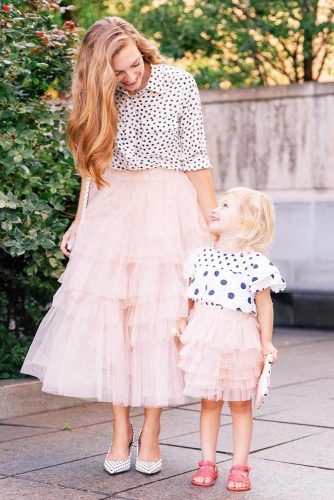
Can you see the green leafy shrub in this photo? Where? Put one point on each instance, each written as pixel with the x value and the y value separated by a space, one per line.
pixel 38 188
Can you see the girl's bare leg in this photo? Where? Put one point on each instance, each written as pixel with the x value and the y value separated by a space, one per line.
pixel 242 423
pixel 209 428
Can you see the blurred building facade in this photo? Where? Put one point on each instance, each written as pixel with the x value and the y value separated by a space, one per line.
pixel 281 140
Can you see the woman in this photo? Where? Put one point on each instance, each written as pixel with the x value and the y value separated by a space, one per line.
pixel 136 131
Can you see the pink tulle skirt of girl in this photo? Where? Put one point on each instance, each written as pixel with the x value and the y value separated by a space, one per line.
pixel 107 335
pixel 221 356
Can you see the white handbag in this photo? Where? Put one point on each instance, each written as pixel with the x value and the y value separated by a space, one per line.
pixel 264 381
pixel 71 241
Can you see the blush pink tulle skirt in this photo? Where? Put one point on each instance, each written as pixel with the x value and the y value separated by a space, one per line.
pixel 107 335
pixel 221 356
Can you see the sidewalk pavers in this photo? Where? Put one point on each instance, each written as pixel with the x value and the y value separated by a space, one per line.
pixel 59 454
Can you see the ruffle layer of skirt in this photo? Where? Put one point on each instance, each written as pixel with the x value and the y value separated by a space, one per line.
pixel 104 366
pixel 107 334
pixel 221 357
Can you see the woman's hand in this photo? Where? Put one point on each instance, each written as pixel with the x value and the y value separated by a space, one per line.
pixel 203 183
pixel 269 347
pixel 69 235
pixel 179 329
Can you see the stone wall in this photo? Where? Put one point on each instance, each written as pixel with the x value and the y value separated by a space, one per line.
pixel 281 140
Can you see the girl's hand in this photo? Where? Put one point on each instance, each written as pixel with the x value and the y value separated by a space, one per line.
pixel 269 347
pixel 179 329
pixel 70 234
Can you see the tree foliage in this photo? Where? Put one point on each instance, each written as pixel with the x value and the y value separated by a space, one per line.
pixel 83 12
pixel 241 42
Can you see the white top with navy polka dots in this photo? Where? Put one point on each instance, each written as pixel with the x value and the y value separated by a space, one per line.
pixel 230 280
pixel 162 124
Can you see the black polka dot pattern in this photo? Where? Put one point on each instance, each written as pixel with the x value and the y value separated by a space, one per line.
pixel 230 280
pixel 162 124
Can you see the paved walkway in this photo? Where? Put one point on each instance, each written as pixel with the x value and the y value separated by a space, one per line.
pixel 59 454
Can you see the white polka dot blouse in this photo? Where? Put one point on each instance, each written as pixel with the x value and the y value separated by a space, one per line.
pixel 230 280
pixel 162 124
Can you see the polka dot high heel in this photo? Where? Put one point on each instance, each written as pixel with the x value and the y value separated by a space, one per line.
pixel 144 466
pixel 118 466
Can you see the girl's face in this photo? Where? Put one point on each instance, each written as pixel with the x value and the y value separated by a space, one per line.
pixel 226 217
pixel 128 65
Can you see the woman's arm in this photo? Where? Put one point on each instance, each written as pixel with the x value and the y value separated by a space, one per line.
pixel 194 158
pixel 265 317
pixel 70 233
pixel 203 182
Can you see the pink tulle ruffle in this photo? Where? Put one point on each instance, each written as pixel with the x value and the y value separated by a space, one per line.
pixel 221 356
pixel 107 334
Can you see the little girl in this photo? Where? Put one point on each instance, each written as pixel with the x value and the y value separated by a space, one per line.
pixel 229 330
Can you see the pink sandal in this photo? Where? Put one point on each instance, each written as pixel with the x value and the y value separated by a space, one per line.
pixel 206 469
pixel 239 478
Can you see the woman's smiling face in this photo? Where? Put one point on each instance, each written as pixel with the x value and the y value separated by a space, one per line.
pixel 226 217
pixel 128 65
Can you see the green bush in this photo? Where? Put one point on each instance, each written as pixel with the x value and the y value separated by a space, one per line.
pixel 38 188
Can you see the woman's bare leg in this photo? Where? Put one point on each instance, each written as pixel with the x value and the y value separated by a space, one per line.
pixel 122 434
pixel 149 439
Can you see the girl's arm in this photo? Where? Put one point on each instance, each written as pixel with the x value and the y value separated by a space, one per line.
pixel 206 196
pixel 265 317
pixel 70 233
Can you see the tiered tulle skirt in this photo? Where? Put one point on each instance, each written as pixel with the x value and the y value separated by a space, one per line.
pixel 107 335
pixel 221 356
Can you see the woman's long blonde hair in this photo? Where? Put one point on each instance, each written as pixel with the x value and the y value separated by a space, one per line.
pixel 92 123
pixel 257 217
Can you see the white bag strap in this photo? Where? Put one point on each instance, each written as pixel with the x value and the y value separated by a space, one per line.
pixel 86 195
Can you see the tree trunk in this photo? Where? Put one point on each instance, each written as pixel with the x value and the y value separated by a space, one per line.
pixel 309 10
pixel 67 15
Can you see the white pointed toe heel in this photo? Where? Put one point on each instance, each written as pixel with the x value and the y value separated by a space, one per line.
pixel 145 466
pixel 118 466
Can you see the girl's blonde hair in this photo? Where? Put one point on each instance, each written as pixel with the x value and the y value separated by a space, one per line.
pixel 92 123
pixel 257 216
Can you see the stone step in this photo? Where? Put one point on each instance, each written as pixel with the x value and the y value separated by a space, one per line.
pixel 19 397
pixel 304 309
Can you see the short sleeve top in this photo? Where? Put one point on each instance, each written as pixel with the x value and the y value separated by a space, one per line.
pixel 230 280
pixel 162 124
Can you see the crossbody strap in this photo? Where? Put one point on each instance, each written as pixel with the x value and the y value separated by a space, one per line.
pixel 86 195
